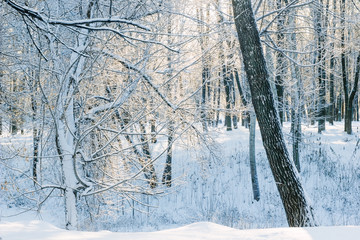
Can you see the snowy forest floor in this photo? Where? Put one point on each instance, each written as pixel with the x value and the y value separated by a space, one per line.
pixel 215 186
pixel 37 230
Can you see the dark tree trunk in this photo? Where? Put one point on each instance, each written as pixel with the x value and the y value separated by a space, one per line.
pixel 233 100
pixel 245 115
pixel 332 91
pixel 205 78
pixel 153 131
pixel 349 108
pixel 343 62
pixel 253 172
pixel 218 102
pixel 166 179
pixel 227 84
pixel 13 112
pixel 36 135
pixel 349 98
pixel 332 113
pixel 340 108
pixel 297 208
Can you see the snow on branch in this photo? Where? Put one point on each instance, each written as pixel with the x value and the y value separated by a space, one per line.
pixel 115 104
pixel 23 10
pixel 146 77
pixel 280 12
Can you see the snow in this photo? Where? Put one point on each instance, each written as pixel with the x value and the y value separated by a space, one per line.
pixel 38 230
pixel 214 189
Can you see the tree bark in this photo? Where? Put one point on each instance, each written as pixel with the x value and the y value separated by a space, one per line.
pixel 298 211
pixel 320 28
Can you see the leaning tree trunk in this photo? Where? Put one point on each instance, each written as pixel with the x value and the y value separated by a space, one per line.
pixel 297 208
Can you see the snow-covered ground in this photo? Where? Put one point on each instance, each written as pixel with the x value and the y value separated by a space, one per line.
pixel 212 186
pixel 37 230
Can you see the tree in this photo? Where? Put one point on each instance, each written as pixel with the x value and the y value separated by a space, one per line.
pixel 296 205
pixel 349 95
pixel 320 32
pixel 280 60
pixel 253 172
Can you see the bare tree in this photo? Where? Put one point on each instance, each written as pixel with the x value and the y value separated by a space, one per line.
pixel 297 208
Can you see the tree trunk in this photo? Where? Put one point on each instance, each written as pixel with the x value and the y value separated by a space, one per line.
pixel 153 130
pixel 167 175
pixel 245 115
pixel 298 211
pixel 233 101
pixel 349 109
pixel 332 112
pixel 254 178
pixel 280 62
pixel 218 102
pixel 345 80
pixel 320 28
pixel 205 71
pixel 227 84
pixel 297 93
pixel 36 134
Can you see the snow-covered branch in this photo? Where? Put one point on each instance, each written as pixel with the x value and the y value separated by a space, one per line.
pixel 146 77
pixel 23 10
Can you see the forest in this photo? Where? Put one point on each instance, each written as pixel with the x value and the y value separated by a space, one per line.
pixel 144 114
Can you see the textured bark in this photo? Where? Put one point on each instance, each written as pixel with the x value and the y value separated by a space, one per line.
pixel 320 28
pixel 298 211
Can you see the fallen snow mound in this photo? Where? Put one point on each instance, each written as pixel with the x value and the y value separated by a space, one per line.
pixel 38 230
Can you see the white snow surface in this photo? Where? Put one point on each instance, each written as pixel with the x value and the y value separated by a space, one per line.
pixel 209 189
pixel 39 230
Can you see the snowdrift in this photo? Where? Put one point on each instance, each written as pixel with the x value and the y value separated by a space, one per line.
pixel 38 230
